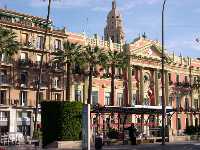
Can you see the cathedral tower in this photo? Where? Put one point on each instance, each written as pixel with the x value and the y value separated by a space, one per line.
pixel 114 27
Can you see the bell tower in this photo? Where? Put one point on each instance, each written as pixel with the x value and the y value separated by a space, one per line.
pixel 114 27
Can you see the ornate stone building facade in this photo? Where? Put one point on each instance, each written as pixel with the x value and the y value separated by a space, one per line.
pixel 18 76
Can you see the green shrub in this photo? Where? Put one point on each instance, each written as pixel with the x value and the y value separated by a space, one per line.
pixel 113 133
pixel 61 121
pixel 191 130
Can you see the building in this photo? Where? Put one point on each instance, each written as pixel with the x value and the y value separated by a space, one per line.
pixel 19 75
pixel 114 27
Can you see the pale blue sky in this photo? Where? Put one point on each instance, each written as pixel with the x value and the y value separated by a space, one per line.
pixel 182 19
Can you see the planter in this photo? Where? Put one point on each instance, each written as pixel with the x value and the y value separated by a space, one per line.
pixel 71 145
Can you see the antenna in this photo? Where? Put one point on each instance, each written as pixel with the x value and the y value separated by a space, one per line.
pixel 85 27
pixel 5 6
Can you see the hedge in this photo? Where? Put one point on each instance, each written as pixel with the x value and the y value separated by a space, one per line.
pixel 61 121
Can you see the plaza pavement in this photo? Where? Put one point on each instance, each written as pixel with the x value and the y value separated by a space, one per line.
pixel 169 146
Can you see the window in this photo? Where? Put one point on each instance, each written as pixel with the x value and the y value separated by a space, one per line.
pixel 196 103
pixel 169 76
pixel 195 79
pixel 170 100
pixel 177 78
pixel 40 40
pixel 179 124
pixel 107 98
pixel 134 100
pixel 57 96
pixel 4 115
pixel 23 98
pixel 186 103
pixel 3 57
pixel 107 70
pixel 159 75
pixel 57 44
pixel 78 95
pixel 160 100
pixel 186 122
pixel 24 39
pixel 133 72
pixel 94 97
pixel 23 56
pixel 196 122
pixel 56 82
pixel 3 75
pixel 24 78
pixel 38 58
pixel 2 97
pixel 120 99
pixel 177 102
pixel 41 97
pixel 186 78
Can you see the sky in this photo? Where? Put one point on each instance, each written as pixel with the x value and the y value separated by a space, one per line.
pixel 182 19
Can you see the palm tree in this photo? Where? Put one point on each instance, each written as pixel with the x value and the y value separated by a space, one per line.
pixel 69 55
pixel 46 25
pixel 115 59
pixel 8 45
pixel 93 56
pixel 128 75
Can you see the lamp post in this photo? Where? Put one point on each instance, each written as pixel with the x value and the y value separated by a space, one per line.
pixel 163 89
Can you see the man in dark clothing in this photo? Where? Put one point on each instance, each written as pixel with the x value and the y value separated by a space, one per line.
pixel 132 134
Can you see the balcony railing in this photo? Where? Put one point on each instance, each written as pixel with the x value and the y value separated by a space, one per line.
pixel 56 86
pixel 4 80
pixel 3 119
pixel 25 63
pixel 5 60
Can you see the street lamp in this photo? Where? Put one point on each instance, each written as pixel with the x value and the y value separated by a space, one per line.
pixel 163 89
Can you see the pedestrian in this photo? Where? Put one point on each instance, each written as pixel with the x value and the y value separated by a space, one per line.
pixel 132 134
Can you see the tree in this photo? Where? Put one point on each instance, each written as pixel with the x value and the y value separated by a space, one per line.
pixel 93 56
pixel 69 55
pixel 115 59
pixel 46 26
pixel 8 45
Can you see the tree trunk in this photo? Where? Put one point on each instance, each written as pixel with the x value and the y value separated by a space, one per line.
pixel 130 95
pixel 40 69
pixel 90 85
pixel 112 84
pixel 68 84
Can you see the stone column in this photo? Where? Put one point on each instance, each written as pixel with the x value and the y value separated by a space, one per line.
pixel 156 89
pixel 141 86
pixel 12 120
pixel 166 88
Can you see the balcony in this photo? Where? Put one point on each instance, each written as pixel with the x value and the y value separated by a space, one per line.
pixel 57 87
pixel 59 68
pixel 25 63
pixel 3 119
pixel 5 61
pixel 23 121
pixel 43 85
pixel 4 81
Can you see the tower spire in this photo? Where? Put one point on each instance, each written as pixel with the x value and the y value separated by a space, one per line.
pixel 114 26
pixel 113 4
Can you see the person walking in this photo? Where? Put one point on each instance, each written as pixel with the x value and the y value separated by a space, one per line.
pixel 132 134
